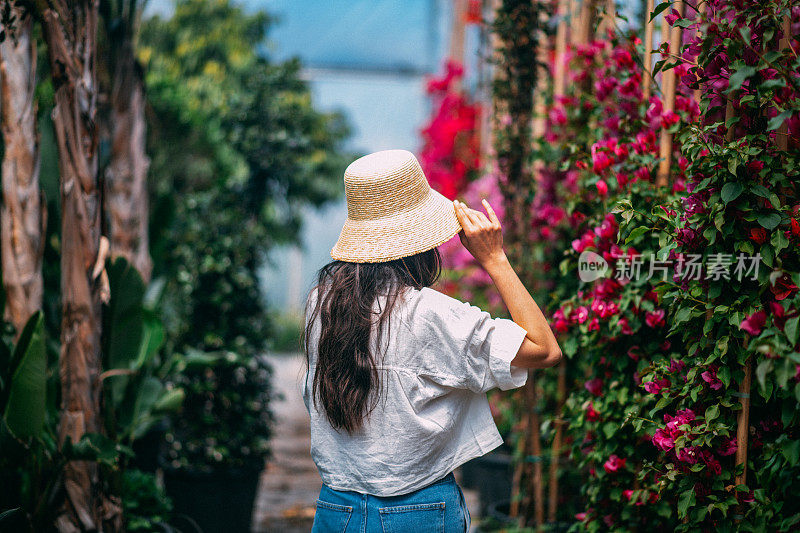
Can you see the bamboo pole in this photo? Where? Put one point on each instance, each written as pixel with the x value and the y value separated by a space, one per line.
pixel 668 90
pixel 698 93
pixel 559 87
pixel 647 81
pixel 555 451
pixel 457 31
pixel 609 18
pixel 536 452
pixel 743 421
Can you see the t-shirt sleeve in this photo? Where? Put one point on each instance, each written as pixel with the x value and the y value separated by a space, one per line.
pixel 466 347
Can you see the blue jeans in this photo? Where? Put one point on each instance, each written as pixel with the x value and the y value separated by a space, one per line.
pixel 437 508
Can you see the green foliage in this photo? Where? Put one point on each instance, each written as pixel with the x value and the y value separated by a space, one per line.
pixel 146 506
pixel 224 421
pixel 25 379
pixel 137 394
pixel 238 149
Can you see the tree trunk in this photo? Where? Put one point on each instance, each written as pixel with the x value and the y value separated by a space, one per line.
pixel 70 29
pixel 125 193
pixel 23 213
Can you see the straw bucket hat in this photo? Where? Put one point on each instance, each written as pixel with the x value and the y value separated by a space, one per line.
pixel 392 212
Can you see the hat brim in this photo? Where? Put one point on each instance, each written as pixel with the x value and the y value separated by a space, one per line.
pixel 418 229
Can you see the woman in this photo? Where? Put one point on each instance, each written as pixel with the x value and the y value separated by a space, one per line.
pixel 397 371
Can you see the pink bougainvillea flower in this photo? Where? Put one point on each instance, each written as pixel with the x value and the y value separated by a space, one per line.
pixel 662 440
pixel 689 455
pixel 594 386
pixel 602 188
pixel 652 387
pixel 655 319
pixel 581 517
pixel 710 377
pixel 582 314
pixel 676 365
pixel 626 328
pixel 591 414
pixel 754 324
pixel 728 447
pixel 613 464
pixel 784 287
pixel 755 166
pixel 672 17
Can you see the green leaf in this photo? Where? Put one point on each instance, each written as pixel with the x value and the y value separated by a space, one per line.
pixel 776 121
pixel 764 367
pixel 25 411
pixel 731 191
pixel 769 221
pixel 686 500
pixel 712 413
pixel 745 31
pixel 791 330
pixel 659 8
pixel 737 78
pixel 637 232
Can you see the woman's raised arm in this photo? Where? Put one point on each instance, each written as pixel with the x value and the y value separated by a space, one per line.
pixel 482 236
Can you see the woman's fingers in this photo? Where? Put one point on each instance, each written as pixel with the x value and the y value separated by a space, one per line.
pixel 463 217
pixel 489 211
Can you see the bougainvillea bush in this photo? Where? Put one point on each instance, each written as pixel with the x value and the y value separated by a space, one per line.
pixel 612 327
pixel 658 346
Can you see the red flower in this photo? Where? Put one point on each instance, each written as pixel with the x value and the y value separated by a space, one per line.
pixel 754 324
pixel 591 414
pixel 473 14
pixel 755 166
pixel 784 287
pixel 759 235
pixel 613 464
pixel 602 188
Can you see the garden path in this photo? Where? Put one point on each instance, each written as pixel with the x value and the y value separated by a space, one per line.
pixel 290 484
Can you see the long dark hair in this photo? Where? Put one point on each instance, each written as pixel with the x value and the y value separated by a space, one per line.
pixel 346 378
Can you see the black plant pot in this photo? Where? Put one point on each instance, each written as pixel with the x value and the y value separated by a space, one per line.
pixel 216 501
pixel 147 448
pixel 491 475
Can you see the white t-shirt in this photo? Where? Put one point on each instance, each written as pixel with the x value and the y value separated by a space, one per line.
pixel 441 357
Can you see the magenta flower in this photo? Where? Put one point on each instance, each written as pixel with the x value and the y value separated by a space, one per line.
pixel 728 447
pixel 652 387
pixel 591 414
pixel 602 188
pixel 655 319
pixel 710 377
pixel 688 455
pixel 662 440
pixel 594 386
pixel 582 314
pixel 613 464
pixel 754 324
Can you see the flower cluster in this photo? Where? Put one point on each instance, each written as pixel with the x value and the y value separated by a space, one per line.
pixel 450 154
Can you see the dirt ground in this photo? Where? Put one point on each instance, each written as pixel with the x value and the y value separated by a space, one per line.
pixel 290 484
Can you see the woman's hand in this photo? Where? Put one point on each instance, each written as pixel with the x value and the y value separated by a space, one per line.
pixel 481 234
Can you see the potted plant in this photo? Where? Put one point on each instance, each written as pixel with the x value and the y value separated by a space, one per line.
pixel 217 444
